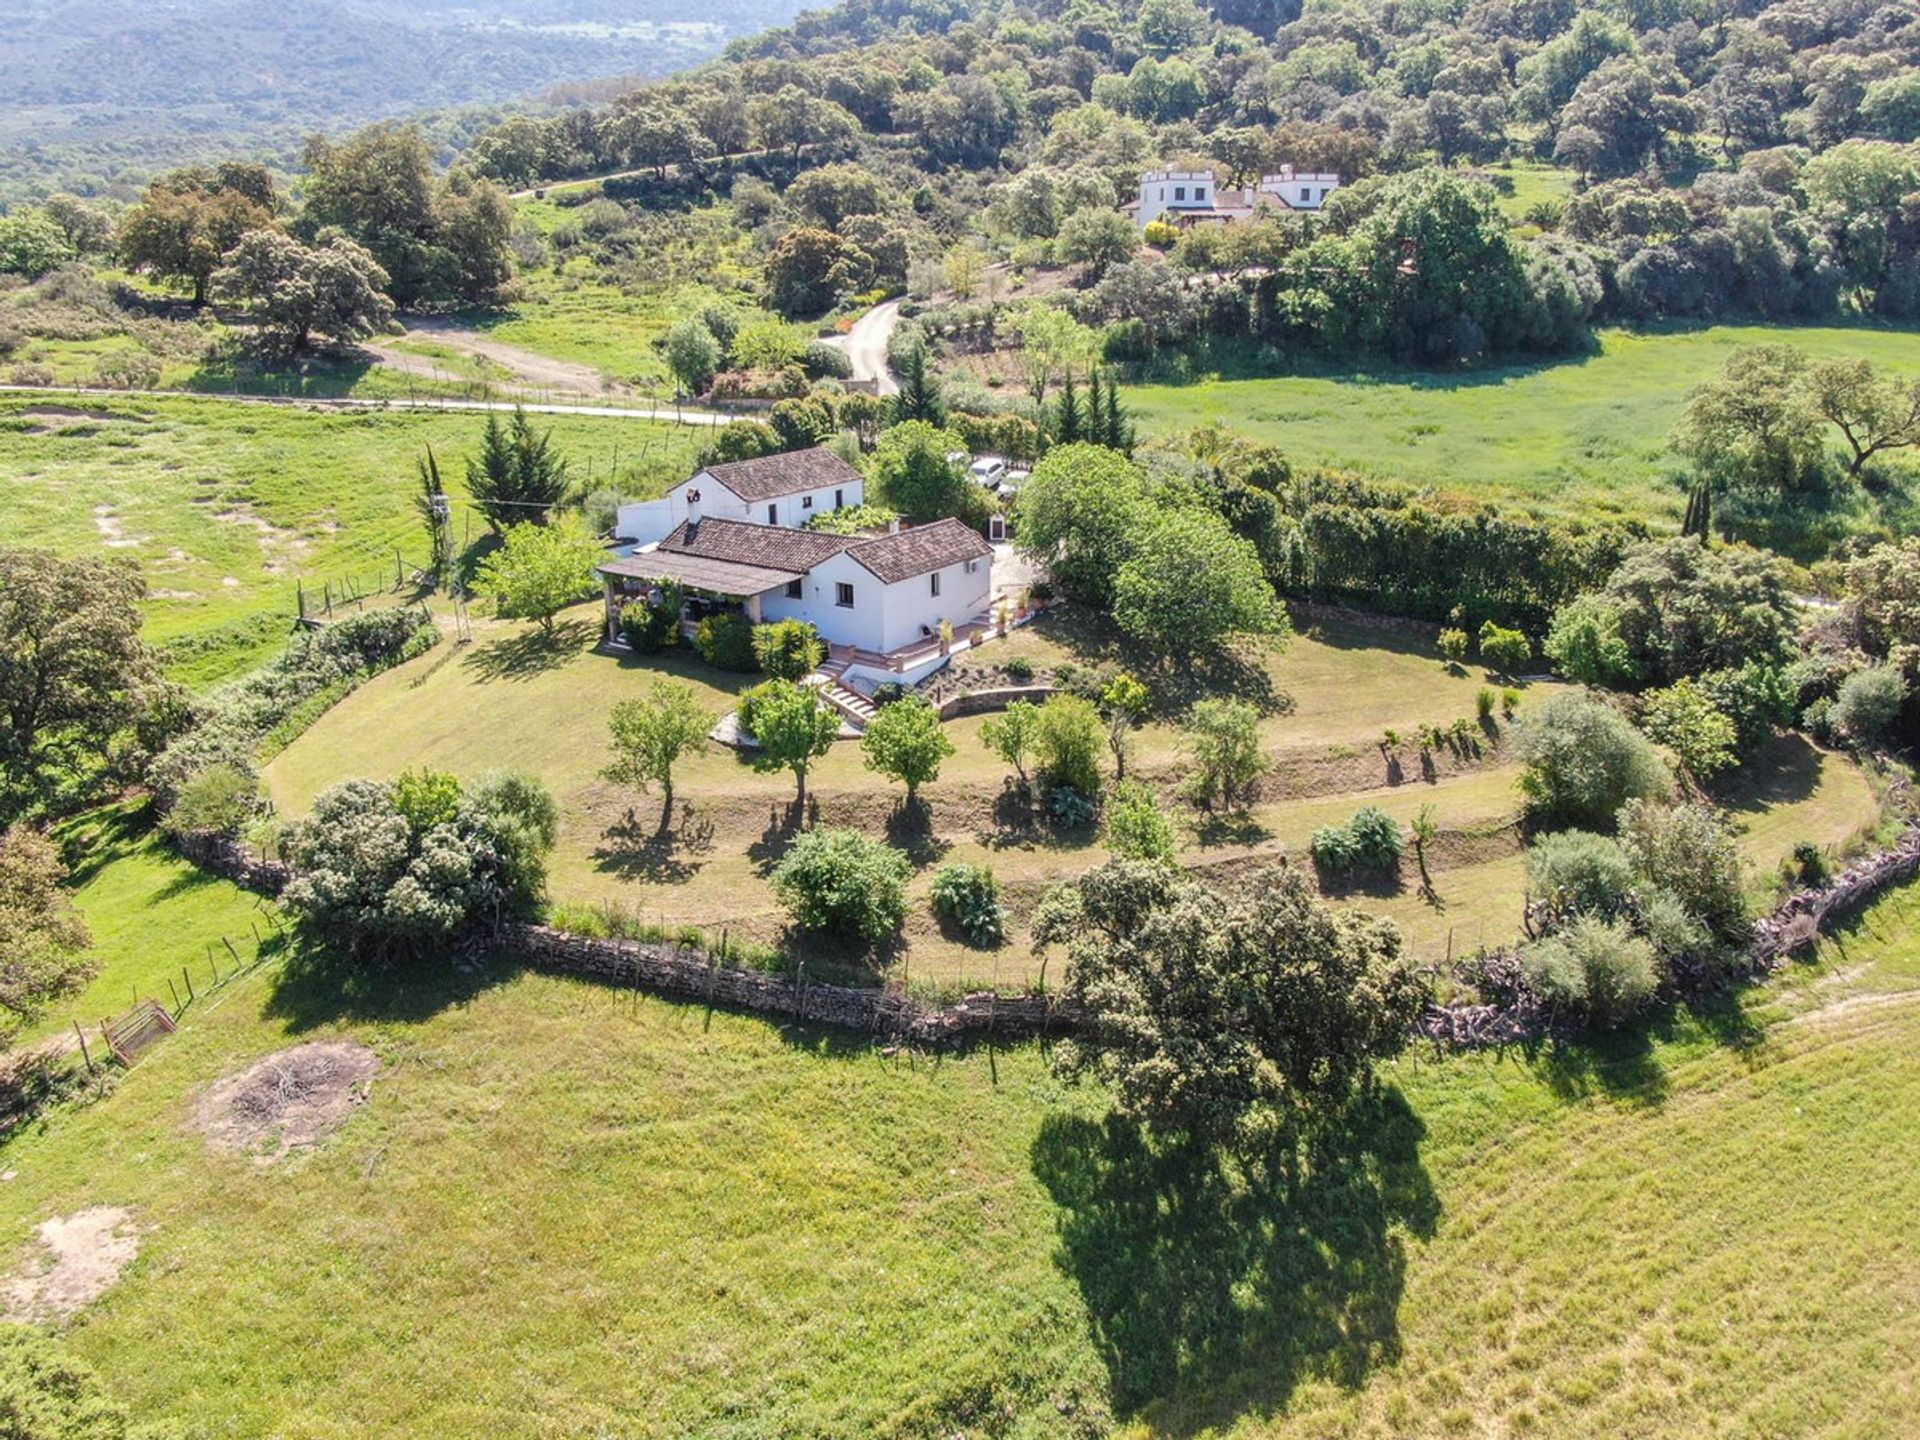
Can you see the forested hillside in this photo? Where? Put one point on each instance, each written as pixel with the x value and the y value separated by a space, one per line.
pixel 95 95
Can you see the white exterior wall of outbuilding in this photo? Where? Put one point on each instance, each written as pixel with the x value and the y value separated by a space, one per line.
pixel 653 520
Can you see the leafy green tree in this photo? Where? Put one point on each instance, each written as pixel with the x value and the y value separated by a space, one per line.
pixel 693 355
pixel 1219 1014
pixel 539 570
pixel 31 245
pixel 1012 735
pixel 1684 718
pixel 842 882
pixel 1081 513
pixel 76 679
pixel 906 743
pixel 1690 852
pixel 810 268
pixel 910 471
pixel 1191 584
pixel 1684 609
pixel 518 476
pixel 370 882
pixel 1097 239
pixel 1123 704
pixel 44 939
pixel 1754 427
pixel 1584 761
pixel 426 798
pixel 652 734
pixel 1585 644
pixel 1874 413
pixel 334 289
pixel 1869 703
pixel 191 219
pixel 1134 825
pixel 1052 345
pixel 1067 738
pixel 1223 740
pixel 794 730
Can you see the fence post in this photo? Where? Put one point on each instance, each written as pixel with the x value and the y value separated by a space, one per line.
pixel 85 1054
pixel 189 979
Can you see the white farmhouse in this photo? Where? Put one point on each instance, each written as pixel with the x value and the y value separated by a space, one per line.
pixel 788 489
pixel 1192 197
pixel 877 600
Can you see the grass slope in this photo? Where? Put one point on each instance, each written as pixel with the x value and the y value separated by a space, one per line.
pixel 510 701
pixel 1580 437
pixel 567 1213
pixel 227 505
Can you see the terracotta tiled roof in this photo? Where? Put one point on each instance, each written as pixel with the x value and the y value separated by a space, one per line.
pixel 772 476
pixel 771 547
pixel 920 550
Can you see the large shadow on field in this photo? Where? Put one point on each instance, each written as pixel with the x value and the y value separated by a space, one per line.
pixel 1213 1285
pixel 316 986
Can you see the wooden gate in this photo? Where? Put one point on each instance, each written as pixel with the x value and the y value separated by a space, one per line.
pixel 130 1035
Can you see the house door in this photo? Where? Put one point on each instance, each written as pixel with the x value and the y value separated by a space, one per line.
pixel 996 528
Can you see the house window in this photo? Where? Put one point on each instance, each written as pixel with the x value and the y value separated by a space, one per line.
pixel 1179 192
pixel 843 595
pixel 793 589
pixel 1200 192
pixel 936 582
pixel 1305 194
pixel 838 503
pixel 806 502
pixel 773 514
pixel 1323 194
pixel 974 565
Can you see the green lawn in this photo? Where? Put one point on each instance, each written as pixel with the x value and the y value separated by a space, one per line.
pixel 509 700
pixel 1580 437
pixel 568 1213
pixel 226 505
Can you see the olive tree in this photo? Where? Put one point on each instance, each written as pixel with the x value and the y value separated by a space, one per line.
pixel 651 734
pixel 905 742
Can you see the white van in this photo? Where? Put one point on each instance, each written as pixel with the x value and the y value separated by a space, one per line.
pixel 988 471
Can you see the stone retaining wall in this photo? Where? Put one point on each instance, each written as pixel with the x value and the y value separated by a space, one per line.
pixel 234 860
pixel 696 975
pixel 975 702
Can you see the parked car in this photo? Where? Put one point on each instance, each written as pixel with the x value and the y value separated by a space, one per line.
pixel 989 471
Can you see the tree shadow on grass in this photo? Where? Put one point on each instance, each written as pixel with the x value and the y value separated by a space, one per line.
pixel 316 986
pixel 784 824
pixel 528 653
pixel 634 849
pixel 1618 1064
pixel 1213 1288
pixel 910 829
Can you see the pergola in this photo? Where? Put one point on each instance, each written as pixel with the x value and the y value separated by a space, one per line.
pixel 726 584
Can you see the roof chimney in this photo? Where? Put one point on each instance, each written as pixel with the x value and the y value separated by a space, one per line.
pixel 693 508
pixel 893 526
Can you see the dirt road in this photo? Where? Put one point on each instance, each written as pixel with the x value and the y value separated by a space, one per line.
pixel 529 371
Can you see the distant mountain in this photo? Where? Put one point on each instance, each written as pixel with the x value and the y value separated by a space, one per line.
pixel 96 93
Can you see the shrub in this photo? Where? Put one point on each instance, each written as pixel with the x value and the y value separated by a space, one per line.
pixel 1810 865
pixel 1453 646
pixel 1585 643
pixel 1020 668
pixel 1069 809
pixel 652 626
pixel 220 800
pixel 1576 873
pixel 1869 703
pixel 1224 742
pixel 1584 761
pixel 1682 718
pixel 725 641
pixel 787 649
pixel 1483 702
pixel 1371 840
pixel 840 881
pixel 1507 651
pixel 1595 968
pixel 1067 744
pixel 1689 851
pixel 889 692
pixel 1136 827
pixel 127 370
pixel 969 897
pixel 1509 702
pixel 1757 697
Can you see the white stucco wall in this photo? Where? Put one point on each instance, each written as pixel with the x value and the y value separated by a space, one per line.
pixel 653 520
pixel 883 617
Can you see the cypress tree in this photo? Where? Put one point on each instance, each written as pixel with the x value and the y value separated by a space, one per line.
pixel 1096 422
pixel 919 397
pixel 1068 425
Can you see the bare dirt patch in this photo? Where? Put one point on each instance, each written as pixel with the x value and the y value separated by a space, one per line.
pixel 289 1100
pixel 75 1260
pixel 113 534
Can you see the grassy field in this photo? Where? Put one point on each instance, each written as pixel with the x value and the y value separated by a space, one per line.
pixel 510 701
pixel 567 1213
pixel 1582 437
pixel 226 505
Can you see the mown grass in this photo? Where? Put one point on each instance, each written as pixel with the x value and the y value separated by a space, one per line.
pixel 565 1211
pixel 511 700
pixel 227 505
pixel 1578 437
